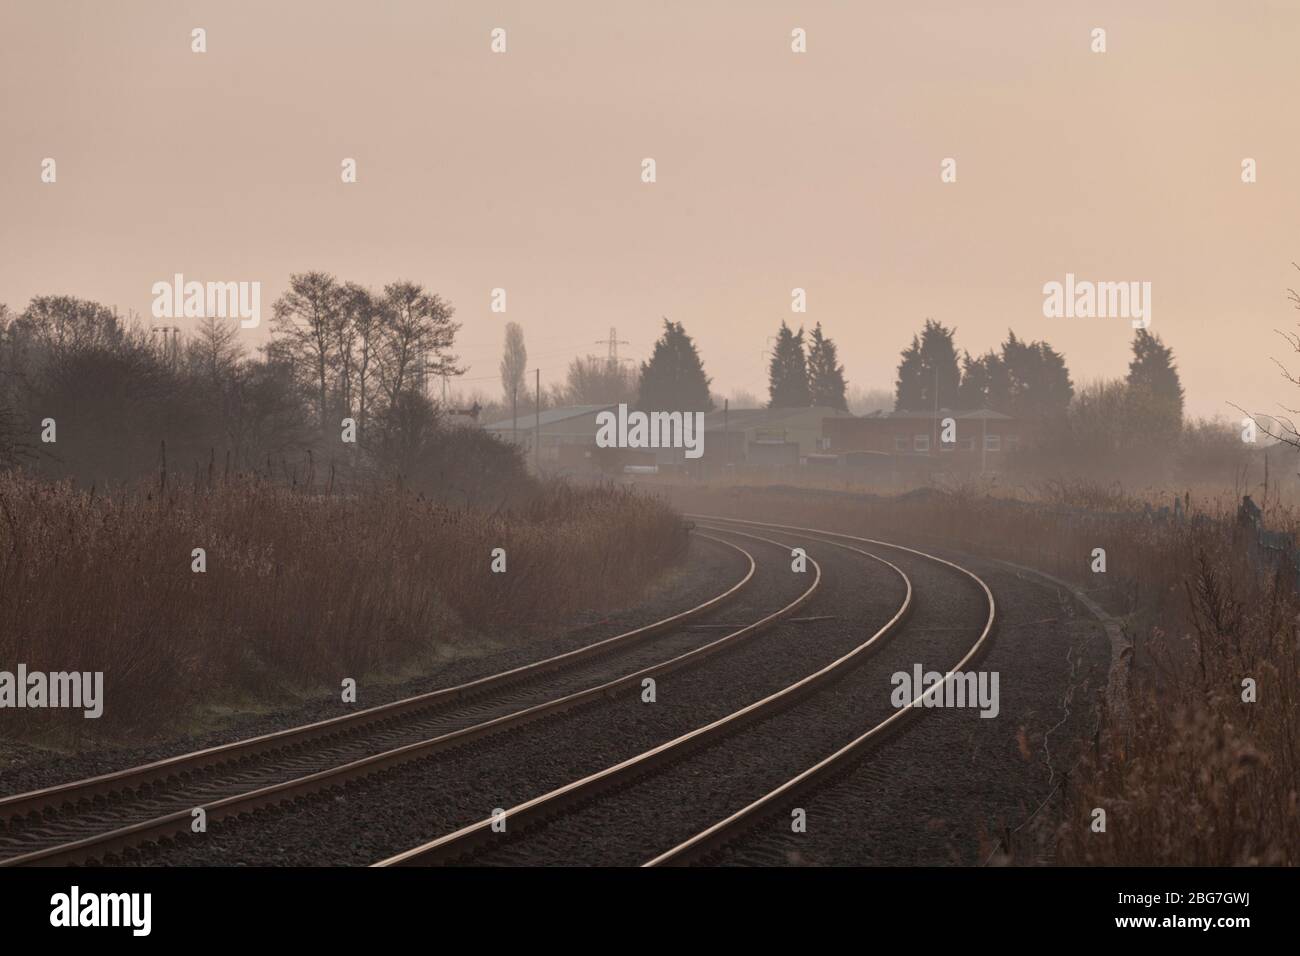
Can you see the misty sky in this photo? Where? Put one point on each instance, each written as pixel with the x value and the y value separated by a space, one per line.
pixel 775 170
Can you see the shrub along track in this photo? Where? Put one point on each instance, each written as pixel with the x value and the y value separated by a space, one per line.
pixel 632 811
pixel 90 818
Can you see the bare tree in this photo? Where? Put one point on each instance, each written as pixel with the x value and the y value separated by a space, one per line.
pixel 599 381
pixel 305 319
pixel 215 350
pixel 417 331
pixel 361 317
pixel 64 323
pixel 1281 428
pixel 10 442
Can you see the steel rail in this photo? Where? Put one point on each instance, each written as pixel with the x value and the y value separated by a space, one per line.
pixel 728 828
pixel 463 841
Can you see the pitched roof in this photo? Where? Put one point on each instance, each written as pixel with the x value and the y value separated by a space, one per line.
pixel 758 417
pixel 976 413
pixel 549 416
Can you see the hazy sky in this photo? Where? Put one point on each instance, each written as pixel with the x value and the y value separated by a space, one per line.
pixel 775 170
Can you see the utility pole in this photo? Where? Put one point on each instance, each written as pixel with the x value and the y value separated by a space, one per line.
pixel 726 429
pixel 514 413
pixel 934 447
pixel 537 429
pixel 984 443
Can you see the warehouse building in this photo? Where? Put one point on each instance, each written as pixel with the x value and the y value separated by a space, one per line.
pixel 982 439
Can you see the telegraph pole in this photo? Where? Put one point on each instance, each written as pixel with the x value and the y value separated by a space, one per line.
pixel 934 448
pixel 984 444
pixel 726 429
pixel 537 428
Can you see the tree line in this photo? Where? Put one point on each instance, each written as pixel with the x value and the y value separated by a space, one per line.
pixel 1021 378
pixel 1136 418
pixel 341 384
pixel 340 352
pixel 800 375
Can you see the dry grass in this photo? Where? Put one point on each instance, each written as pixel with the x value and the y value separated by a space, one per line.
pixel 300 589
pixel 1197 776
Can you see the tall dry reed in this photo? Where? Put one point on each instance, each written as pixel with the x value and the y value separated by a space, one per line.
pixel 300 589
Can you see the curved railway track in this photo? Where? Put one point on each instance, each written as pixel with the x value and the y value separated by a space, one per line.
pixel 776 799
pixel 99 831
pixel 462 844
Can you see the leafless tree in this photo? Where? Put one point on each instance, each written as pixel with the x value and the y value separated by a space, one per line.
pixel 599 381
pixel 305 320
pixel 1281 428
pixel 214 350
pixel 416 335
pixel 361 317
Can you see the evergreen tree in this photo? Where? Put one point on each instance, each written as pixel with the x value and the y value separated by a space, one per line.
pixel 1154 408
pixel 1153 370
pixel 674 379
pixel 825 374
pixel 984 382
pixel 1038 384
pixel 907 388
pixel 788 372
pixel 929 364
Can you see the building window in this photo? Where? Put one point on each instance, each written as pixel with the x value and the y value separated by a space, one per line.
pixel 992 442
pixel 900 444
pixel 968 444
pixel 1013 442
pixel 921 443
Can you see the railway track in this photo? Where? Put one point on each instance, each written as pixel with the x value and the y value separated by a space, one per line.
pixel 462 844
pixel 777 799
pixel 114 812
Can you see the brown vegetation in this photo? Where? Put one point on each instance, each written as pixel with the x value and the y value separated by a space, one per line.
pixel 301 589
